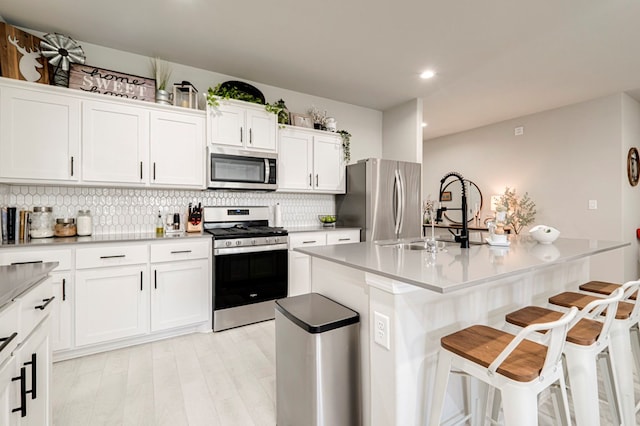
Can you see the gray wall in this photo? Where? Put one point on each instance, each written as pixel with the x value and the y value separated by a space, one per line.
pixel 566 157
pixel 402 132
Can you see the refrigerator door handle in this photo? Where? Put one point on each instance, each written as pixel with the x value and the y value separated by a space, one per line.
pixel 402 203
pixel 396 202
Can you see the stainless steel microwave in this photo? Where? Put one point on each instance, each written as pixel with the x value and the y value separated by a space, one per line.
pixel 235 169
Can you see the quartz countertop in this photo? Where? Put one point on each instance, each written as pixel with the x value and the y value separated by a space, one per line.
pixel 104 238
pixel 16 279
pixel 319 228
pixel 455 268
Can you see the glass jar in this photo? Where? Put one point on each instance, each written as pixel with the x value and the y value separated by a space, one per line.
pixel 65 227
pixel 41 222
pixel 84 223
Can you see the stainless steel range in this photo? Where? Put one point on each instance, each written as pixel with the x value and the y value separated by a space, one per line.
pixel 250 265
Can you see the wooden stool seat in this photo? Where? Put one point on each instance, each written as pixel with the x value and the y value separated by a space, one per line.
pixel 602 287
pixel 482 345
pixel 584 333
pixel 579 300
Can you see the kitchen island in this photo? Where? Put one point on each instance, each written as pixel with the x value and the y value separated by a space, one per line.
pixel 414 297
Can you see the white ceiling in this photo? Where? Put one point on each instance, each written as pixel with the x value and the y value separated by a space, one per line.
pixel 495 59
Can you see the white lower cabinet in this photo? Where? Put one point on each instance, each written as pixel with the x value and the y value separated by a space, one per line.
pixel 180 294
pixel 111 303
pixel 9 392
pixel 299 263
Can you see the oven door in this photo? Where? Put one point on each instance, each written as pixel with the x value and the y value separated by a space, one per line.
pixel 242 278
pixel 228 170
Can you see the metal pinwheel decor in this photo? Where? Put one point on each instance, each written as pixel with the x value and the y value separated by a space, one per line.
pixel 61 51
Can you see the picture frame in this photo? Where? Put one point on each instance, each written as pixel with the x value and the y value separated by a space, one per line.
pixel 20 56
pixel 633 159
pixel 301 120
pixel 100 80
pixel 445 196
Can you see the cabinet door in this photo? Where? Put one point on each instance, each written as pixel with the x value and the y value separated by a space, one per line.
pixel 328 166
pixel 115 142
pixel 9 392
pixel 262 127
pixel 177 148
pixel 39 135
pixel 180 294
pixel 35 356
pixel 111 303
pixel 299 274
pixel 227 125
pixel 62 309
pixel 295 161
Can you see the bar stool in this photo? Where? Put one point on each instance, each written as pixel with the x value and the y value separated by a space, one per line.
pixel 587 339
pixel 627 316
pixel 519 368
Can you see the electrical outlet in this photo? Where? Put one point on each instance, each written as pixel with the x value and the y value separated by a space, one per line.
pixel 381 330
pixel 518 131
pixel 593 204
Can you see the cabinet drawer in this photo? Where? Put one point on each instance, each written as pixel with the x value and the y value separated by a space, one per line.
pixel 34 306
pixel 9 324
pixel 343 237
pixel 63 257
pixel 307 239
pixel 107 255
pixel 183 250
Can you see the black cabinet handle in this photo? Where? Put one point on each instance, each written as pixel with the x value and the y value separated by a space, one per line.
pixel 140 280
pixel 64 289
pixel 240 134
pixel 23 392
pixel 344 239
pixel 316 180
pixel 155 279
pixel 71 165
pixel 26 263
pixel 47 301
pixel 112 257
pixel 180 251
pixel 154 170
pixel 6 340
pixel 250 137
pixel 309 242
pixel 34 381
pixel 141 170
pixel 310 181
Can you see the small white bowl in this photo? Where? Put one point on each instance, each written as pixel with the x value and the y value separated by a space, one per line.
pixel 544 234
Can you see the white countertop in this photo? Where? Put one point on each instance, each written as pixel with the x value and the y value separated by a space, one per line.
pixel 319 228
pixel 16 279
pixel 456 268
pixel 105 238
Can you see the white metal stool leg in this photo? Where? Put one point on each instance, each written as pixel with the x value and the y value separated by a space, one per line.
pixel 440 388
pixel 520 406
pixel 583 378
pixel 604 363
pixel 622 360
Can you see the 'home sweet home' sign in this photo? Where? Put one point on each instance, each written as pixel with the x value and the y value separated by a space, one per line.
pixel 99 80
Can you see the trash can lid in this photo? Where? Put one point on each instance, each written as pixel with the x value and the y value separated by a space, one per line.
pixel 316 313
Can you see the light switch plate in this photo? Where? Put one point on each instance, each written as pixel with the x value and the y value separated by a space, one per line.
pixel 381 330
pixel 593 204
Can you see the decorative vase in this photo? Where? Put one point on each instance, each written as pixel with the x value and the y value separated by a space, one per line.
pixel 163 97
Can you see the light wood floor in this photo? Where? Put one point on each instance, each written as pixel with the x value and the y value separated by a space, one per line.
pixel 225 379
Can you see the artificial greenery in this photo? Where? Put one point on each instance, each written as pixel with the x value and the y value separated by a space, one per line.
pixel 346 144
pixel 224 92
pixel 521 211
pixel 162 72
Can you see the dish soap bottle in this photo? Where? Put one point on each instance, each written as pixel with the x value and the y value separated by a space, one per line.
pixel 159 226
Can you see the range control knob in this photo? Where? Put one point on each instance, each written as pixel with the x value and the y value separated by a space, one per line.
pixel 254 242
pixel 227 243
pixel 267 240
pixel 276 240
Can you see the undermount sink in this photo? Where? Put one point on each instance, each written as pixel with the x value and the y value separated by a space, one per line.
pixel 406 246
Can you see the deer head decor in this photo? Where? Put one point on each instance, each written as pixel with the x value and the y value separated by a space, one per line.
pixel 28 62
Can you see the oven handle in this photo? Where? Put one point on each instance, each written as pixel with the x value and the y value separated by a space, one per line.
pixel 267 170
pixel 248 249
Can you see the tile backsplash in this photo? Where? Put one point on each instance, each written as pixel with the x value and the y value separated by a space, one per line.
pixel 124 210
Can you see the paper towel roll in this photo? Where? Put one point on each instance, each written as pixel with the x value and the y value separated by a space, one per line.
pixel 277 216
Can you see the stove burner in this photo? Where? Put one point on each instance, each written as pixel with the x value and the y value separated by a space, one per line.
pixel 241 231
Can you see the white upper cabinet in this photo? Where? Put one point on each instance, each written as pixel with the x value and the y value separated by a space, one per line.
pixel 115 143
pixel 177 148
pixel 242 125
pixel 310 161
pixel 39 136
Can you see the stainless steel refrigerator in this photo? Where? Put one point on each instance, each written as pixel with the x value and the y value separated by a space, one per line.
pixel 383 199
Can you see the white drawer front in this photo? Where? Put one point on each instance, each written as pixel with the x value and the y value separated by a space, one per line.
pixel 182 250
pixel 34 306
pixel 63 257
pixel 111 255
pixel 307 239
pixel 9 323
pixel 343 237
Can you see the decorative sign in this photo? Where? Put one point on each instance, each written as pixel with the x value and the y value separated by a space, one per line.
pixel 99 80
pixel 20 56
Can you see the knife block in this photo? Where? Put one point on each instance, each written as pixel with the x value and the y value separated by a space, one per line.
pixel 194 228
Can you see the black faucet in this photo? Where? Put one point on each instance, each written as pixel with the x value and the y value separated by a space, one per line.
pixel 463 237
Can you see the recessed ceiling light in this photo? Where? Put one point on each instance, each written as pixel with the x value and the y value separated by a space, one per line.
pixel 424 124
pixel 427 74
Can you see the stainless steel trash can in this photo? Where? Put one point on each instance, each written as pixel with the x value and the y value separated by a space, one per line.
pixel 317 362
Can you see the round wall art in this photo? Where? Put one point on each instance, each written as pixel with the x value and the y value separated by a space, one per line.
pixel 632 166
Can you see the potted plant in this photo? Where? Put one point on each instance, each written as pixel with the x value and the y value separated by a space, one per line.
pixel 162 73
pixel 520 211
pixel 319 118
